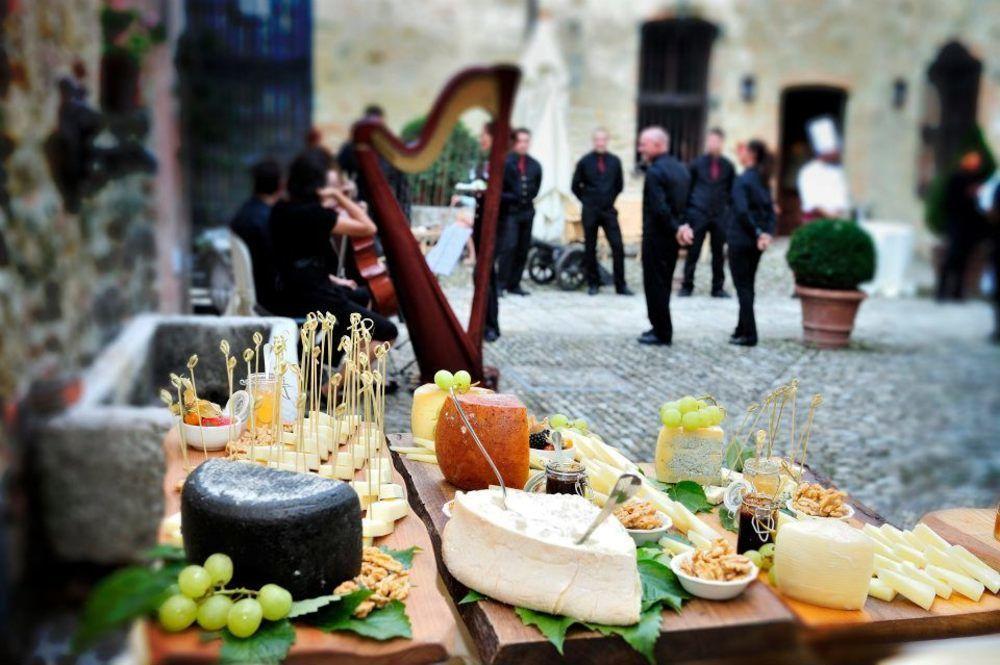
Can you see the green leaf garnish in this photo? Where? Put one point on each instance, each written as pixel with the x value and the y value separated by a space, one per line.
pixel 472 597
pixel 641 636
pixel 164 553
pixel 737 453
pixel 691 495
pixel 310 605
pixel 382 624
pixel 268 646
pixel 660 585
pixel 336 614
pixel 405 557
pixel 552 626
pixel 728 520
pixel 121 597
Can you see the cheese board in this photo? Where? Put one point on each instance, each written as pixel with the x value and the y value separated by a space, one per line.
pixel 433 622
pixel 757 623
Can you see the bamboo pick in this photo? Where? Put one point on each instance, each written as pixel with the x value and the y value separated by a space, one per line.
pixel 191 364
pixel 224 348
pixel 257 339
pixel 230 366
pixel 813 405
pixel 168 399
pixel 277 425
pixel 175 381
pixel 300 413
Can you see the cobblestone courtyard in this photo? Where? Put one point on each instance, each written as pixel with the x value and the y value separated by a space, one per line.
pixel 911 415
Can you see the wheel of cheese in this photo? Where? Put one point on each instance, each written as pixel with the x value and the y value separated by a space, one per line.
pixel 299 531
pixel 501 421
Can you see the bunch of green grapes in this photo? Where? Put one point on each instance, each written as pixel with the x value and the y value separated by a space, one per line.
pixel 203 597
pixel 763 559
pixel 691 413
pixel 561 420
pixel 461 380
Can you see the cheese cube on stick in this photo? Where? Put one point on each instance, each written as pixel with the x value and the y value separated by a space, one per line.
pixel 930 537
pixel 963 584
pixel 975 568
pixel 913 590
pixel 941 588
pixel 907 553
pixel 879 589
pixel 372 528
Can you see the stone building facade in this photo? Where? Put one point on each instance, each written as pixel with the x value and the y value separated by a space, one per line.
pixel 878 54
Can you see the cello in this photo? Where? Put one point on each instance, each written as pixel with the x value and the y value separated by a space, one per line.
pixel 439 339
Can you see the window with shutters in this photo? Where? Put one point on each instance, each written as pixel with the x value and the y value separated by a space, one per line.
pixel 673 81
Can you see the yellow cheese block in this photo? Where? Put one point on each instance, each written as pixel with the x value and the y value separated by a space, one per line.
pixel 825 563
pixel 427 402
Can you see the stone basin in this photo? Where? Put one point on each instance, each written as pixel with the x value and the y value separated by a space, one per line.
pixel 100 463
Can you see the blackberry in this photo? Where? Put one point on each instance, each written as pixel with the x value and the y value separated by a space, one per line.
pixel 539 440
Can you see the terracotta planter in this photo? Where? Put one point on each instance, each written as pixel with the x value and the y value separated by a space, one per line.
pixel 828 315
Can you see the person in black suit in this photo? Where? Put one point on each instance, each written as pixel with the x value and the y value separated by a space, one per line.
pixel 597 182
pixel 522 178
pixel 663 234
pixel 480 170
pixel 708 204
pixel 250 224
pixel 750 234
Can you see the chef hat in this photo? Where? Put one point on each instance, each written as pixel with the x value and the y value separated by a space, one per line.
pixel 823 135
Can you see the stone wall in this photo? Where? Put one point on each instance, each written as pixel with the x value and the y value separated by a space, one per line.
pixel 400 53
pixel 73 278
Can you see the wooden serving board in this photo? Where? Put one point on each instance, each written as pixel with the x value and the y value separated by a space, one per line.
pixel 901 620
pixel 752 625
pixel 432 618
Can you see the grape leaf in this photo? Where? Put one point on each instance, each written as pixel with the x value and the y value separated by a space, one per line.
pixel 334 615
pixel 552 626
pixel 659 584
pixel 164 553
pixel 310 605
pixel 472 597
pixel 737 453
pixel 121 597
pixel 728 520
pixel 652 552
pixel 268 646
pixel 691 495
pixel 382 624
pixel 641 636
pixel 405 557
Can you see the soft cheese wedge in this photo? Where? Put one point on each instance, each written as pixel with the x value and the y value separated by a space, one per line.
pixel 526 555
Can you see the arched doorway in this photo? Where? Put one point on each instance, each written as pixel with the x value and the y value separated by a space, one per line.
pixel 673 81
pixel 799 105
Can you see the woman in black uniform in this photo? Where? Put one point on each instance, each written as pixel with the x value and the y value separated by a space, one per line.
pixel 301 227
pixel 750 232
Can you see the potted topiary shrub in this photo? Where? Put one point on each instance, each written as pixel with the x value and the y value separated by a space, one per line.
pixel 830 258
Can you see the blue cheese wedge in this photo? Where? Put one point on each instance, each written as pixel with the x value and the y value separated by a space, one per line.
pixel 690 455
pixel 527 555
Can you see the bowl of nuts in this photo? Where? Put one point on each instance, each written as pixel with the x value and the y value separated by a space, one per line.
pixel 716 573
pixel 643 521
pixel 812 500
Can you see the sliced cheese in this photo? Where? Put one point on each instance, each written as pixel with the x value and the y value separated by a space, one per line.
pixel 930 537
pixel 944 559
pixel 941 588
pixel 879 589
pixel 893 535
pixel 913 590
pixel 344 471
pixel 873 532
pixel 674 547
pixel 907 553
pixel 825 563
pixel 884 550
pixel 374 528
pixel 975 568
pixel 883 562
pixel 327 471
pixel 427 459
pixel 388 510
pixel 963 584
pixel 527 556
pixel 391 491
pixel 699 541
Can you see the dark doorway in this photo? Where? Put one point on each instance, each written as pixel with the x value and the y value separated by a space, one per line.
pixel 799 105
pixel 673 81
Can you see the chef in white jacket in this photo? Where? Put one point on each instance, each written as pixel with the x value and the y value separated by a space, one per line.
pixel 822 183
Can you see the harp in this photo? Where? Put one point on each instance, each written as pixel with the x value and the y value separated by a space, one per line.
pixel 439 339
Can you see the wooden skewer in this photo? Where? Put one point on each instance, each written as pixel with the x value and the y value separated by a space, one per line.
pixel 257 339
pixel 191 364
pixel 175 380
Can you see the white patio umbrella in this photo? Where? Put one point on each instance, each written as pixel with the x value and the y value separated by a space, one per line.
pixel 541 106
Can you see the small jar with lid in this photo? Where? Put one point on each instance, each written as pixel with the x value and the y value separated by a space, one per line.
pixel 565 477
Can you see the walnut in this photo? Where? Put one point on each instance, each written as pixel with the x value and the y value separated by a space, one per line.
pixel 818 501
pixel 719 563
pixel 638 515
pixel 383 575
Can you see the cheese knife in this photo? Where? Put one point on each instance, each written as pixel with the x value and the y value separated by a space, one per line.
pixel 625 488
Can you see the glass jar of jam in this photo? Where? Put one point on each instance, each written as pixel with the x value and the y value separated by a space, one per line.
pixel 566 477
pixel 757 524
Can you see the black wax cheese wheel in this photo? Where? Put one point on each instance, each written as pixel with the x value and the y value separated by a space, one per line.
pixel 299 531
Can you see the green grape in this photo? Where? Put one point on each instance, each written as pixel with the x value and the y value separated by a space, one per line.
pixel 463 380
pixel 671 417
pixel 194 581
pixel 754 556
pixel 244 617
pixel 767 550
pixel 177 613
pixel 214 612
pixel 770 577
pixel 220 568
pixel 558 420
pixel 713 415
pixel 676 405
pixel 580 424
pixel 274 601
pixel 702 404
pixel 691 420
pixel 444 379
pixel 766 563
pixel 688 403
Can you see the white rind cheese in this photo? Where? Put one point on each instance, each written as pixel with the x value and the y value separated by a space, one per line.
pixel 825 563
pixel 526 556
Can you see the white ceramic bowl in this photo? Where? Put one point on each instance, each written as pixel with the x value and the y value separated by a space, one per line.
pixel 643 536
pixel 216 438
pixel 804 515
pixel 710 589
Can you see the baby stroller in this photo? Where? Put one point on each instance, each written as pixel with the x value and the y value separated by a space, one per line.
pixel 548 262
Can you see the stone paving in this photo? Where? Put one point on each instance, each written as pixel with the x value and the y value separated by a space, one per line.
pixel 911 415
